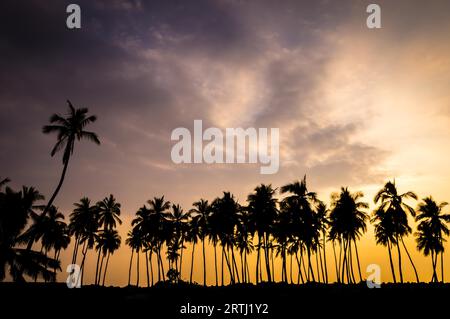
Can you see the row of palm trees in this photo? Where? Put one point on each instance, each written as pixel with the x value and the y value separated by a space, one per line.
pixel 294 230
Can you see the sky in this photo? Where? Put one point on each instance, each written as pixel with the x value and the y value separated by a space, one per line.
pixel 355 106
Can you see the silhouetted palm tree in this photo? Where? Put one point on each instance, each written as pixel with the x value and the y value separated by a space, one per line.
pixel 301 205
pixel 178 220
pixel 110 241
pixel 199 228
pixel 323 224
pixel 431 231
pixel 159 232
pixel 81 216
pixel 135 242
pixel 223 222
pixel 108 213
pixel 347 224
pixel 15 209
pixel 262 213
pixel 393 206
pixel 69 129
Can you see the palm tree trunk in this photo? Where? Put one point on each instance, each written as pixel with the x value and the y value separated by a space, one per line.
pixel 137 268
pixel 399 261
pixel 192 262
pixel 433 278
pixel 357 260
pixel 151 264
pixel 266 252
pixel 442 266
pixel 325 257
pixel 75 250
pixel 350 253
pixel 344 263
pixel 96 267
pixel 215 264
pixel 84 252
pixel 336 264
pixel 300 276
pixel 181 257
pixel 290 268
pixel 257 259
pixel 410 260
pixel 129 269
pixel 391 263
pixel 106 268
pixel 222 260
pixel 204 262
pixel 236 270
pixel 317 266
pixel 97 280
pixel 146 264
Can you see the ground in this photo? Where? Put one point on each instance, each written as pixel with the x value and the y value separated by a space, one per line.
pixel 270 300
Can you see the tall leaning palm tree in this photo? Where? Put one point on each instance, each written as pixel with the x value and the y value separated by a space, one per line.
pixel 392 208
pixel 69 129
pixel 431 231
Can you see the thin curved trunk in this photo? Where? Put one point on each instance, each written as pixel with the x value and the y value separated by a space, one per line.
pixel 50 202
pixel 137 268
pixel 391 263
pixel 146 264
pixel 97 280
pixel 106 268
pixel 324 257
pixel 215 264
pixel 75 250
pixel 410 260
pixel 357 259
pixel 192 262
pixel 442 266
pixel 399 261
pixel 96 267
pixel 151 265
pixel 129 269
pixel 338 278
pixel 257 259
pixel 204 262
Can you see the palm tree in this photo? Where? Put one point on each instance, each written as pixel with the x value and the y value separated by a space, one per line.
pixel 108 213
pixel 56 235
pixel 392 204
pixel 110 241
pixel 178 219
pixel 88 237
pixel 192 236
pixel 15 209
pixel 80 217
pixel 199 228
pixel 262 212
pixel 134 241
pixel 223 221
pixel 323 223
pixel 69 129
pixel 431 231
pixel 301 204
pixel 158 231
pixel 347 224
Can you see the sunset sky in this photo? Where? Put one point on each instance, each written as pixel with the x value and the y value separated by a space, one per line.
pixel 355 106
